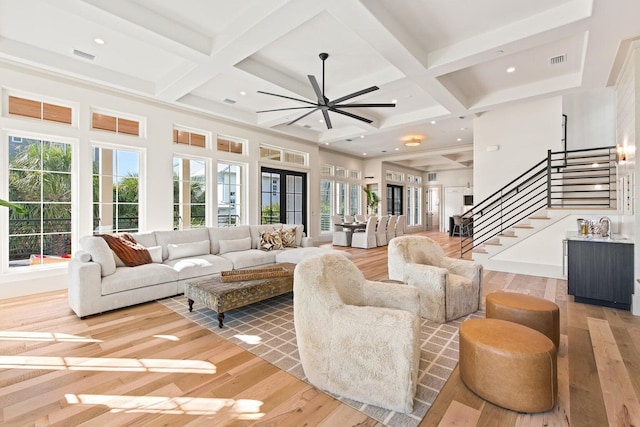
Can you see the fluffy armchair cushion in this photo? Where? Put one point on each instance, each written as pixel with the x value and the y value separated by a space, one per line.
pixel 357 339
pixel 449 287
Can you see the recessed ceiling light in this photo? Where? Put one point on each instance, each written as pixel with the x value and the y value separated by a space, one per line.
pixel 98 40
pixel 321 121
pixel 326 143
pixel 243 93
pixel 433 122
pixel 361 136
pixel 459 139
pixel 511 69
pixel 394 101
pixel 364 154
pixel 397 149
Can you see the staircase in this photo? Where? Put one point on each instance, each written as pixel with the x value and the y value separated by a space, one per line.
pixel 521 227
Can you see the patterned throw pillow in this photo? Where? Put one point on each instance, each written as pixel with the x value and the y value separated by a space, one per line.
pixel 289 237
pixel 270 240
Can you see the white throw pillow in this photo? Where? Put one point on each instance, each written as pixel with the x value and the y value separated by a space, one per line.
pixel 184 250
pixel 156 254
pixel 235 245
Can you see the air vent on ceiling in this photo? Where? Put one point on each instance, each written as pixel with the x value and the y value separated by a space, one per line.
pixel 558 59
pixel 348 139
pixel 306 126
pixel 431 176
pixel 229 101
pixel 84 55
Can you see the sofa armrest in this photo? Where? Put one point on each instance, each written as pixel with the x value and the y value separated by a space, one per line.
pixel 308 242
pixel 85 285
pixel 391 295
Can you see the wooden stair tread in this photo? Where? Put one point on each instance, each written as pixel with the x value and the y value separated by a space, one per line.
pixel 522 226
pixel 507 235
pixel 479 251
pixel 539 217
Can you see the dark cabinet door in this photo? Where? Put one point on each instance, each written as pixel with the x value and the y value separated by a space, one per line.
pixel 601 273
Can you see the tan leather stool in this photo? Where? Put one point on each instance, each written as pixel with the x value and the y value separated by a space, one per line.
pixel 508 364
pixel 537 313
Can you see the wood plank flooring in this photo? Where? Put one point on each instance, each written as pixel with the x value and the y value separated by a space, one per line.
pixel 148 366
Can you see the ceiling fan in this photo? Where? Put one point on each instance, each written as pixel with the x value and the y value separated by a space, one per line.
pixel 324 104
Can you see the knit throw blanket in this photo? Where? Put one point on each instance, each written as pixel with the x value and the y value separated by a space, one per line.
pixel 127 249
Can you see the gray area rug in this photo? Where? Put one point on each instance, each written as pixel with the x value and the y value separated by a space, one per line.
pixel 266 329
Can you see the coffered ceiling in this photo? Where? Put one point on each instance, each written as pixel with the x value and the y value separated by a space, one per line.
pixel 442 62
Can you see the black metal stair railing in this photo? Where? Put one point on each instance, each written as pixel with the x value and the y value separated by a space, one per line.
pixel 565 179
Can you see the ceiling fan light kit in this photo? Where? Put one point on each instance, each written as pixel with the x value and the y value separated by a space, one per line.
pixel 324 104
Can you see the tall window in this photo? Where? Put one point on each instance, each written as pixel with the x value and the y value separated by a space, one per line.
pixel 116 185
pixel 325 205
pixel 341 199
pixel 189 193
pixel 355 197
pixel 40 182
pixel 229 194
pixel 414 200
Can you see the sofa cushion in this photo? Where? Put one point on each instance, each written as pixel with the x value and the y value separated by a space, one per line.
pixel 271 240
pixel 202 265
pixel 127 278
pixel 235 245
pixel 226 233
pixel 250 258
pixel 100 253
pixel 184 250
pixel 256 232
pixel 176 237
pixel 146 239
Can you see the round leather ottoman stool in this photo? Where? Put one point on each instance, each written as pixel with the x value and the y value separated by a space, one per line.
pixel 508 364
pixel 537 313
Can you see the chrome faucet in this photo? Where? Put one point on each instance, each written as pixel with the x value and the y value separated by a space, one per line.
pixel 605 226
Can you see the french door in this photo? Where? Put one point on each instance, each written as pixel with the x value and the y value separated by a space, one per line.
pixel 283 197
pixel 394 199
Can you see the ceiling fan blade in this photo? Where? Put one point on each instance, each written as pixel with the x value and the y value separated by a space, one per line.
pixel 353 116
pixel 327 120
pixel 303 116
pixel 363 105
pixel 285 109
pixel 354 94
pixel 287 97
pixel 316 88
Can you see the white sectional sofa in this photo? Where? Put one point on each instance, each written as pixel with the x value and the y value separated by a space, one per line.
pixel 99 281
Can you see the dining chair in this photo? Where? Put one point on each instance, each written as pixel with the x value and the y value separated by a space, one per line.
pixel 381 231
pixel 348 218
pixel 367 239
pixel 401 224
pixel 360 218
pixel 341 237
pixel 391 227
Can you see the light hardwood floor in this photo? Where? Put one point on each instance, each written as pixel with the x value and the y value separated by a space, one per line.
pixel 56 369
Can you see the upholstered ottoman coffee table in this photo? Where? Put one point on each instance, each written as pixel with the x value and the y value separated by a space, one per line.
pixel 536 313
pixel 509 364
pixel 240 287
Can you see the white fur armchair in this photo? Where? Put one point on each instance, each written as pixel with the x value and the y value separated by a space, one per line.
pixel 356 338
pixel 449 287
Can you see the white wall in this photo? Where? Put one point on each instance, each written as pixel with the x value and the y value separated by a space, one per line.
pixel 523 133
pixel 157 149
pixel 591 118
